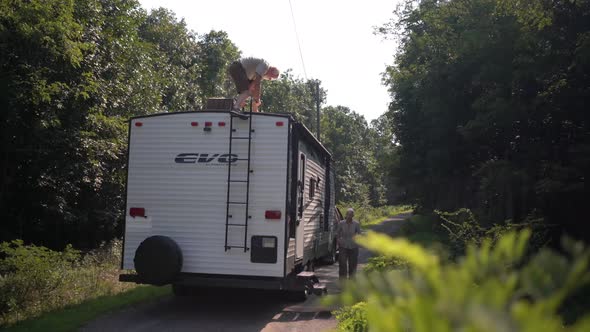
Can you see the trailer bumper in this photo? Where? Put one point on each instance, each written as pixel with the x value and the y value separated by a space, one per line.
pixel 300 282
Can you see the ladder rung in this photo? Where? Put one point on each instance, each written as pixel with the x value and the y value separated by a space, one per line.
pixel 241 137
pixel 242 159
pixel 241 225
pixel 229 247
pixel 243 181
pixel 236 203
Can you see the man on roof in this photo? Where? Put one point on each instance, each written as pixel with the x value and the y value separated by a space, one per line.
pixel 247 74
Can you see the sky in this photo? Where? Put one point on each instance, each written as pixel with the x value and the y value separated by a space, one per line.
pixel 338 45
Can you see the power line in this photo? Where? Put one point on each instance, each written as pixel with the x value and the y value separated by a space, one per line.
pixel 297 37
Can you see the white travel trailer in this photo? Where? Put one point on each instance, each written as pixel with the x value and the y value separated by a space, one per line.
pixel 219 198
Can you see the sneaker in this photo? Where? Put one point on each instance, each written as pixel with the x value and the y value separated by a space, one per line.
pixel 235 107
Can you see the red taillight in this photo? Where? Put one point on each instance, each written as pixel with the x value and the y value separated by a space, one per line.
pixel 221 124
pixel 139 124
pixel 280 123
pixel 272 214
pixel 137 212
pixel 194 124
pixel 208 124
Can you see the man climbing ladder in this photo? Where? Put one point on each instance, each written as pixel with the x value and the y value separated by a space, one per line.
pixel 247 74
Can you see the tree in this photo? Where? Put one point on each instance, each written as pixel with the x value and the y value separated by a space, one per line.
pixel 216 53
pixel 293 95
pixel 71 74
pixel 487 107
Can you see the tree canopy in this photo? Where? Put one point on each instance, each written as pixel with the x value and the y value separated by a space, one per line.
pixel 73 72
pixel 488 107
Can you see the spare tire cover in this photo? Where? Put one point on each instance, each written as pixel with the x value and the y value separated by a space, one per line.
pixel 158 260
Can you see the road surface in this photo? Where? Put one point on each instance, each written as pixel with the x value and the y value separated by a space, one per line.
pixel 236 310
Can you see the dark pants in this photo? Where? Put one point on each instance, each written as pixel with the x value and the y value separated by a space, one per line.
pixel 238 74
pixel 348 259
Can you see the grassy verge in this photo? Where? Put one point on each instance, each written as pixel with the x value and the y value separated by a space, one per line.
pixel 368 215
pixel 424 230
pixel 73 317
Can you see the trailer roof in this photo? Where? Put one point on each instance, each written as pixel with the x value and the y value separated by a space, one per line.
pixel 299 126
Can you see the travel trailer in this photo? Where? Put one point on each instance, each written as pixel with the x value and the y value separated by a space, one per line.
pixel 218 198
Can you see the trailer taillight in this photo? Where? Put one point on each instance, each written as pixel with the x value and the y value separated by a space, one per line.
pixel 137 212
pixel 221 124
pixel 272 214
pixel 280 123
pixel 139 124
pixel 194 124
pixel 208 124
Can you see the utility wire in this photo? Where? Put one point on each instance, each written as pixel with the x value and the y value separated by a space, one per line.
pixel 297 37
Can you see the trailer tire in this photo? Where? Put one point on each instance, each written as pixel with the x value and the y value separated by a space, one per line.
pixel 158 260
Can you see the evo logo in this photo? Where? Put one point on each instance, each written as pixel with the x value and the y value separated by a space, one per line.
pixel 205 158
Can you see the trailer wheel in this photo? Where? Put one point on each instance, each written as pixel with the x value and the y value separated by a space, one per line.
pixel 158 260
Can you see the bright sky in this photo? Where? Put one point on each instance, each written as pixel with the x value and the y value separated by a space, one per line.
pixel 336 37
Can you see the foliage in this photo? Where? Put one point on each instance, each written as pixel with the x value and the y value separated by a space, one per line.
pixel 71 74
pixel 382 263
pixel 347 135
pixel 488 108
pixel 353 318
pixel 35 279
pixel 290 94
pixel 367 215
pixel 491 288
pixel 463 229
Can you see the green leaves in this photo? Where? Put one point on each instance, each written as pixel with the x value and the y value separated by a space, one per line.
pixel 487 107
pixel 492 288
pixel 71 74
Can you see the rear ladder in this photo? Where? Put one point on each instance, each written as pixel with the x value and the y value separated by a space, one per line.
pixel 245 202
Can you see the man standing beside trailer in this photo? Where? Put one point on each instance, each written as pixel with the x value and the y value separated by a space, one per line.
pixel 349 250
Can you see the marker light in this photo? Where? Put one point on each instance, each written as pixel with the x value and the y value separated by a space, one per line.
pixel 139 124
pixel 194 124
pixel 280 123
pixel 208 124
pixel 137 212
pixel 221 124
pixel 272 214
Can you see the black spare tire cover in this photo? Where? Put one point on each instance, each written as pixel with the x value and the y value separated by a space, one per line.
pixel 158 260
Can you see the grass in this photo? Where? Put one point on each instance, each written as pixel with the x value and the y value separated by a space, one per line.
pixel 368 215
pixel 73 317
pixel 424 230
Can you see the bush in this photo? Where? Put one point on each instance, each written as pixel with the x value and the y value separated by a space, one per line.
pixel 353 318
pixel 36 279
pixel 383 263
pixel 464 229
pixel 491 288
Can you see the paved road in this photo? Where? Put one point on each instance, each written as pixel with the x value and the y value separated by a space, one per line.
pixel 236 310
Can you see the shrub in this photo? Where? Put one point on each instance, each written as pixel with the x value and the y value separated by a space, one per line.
pixel 353 318
pixel 463 229
pixel 491 288
pixel 383 263
pixel 36 279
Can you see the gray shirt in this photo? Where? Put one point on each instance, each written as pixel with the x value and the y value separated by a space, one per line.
pixel 346 233
pixel 253 66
